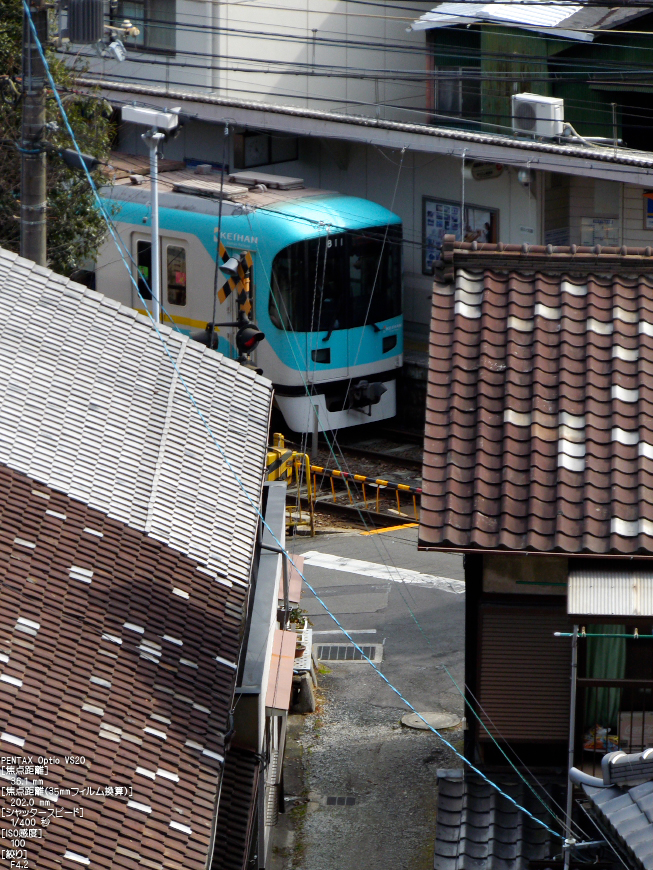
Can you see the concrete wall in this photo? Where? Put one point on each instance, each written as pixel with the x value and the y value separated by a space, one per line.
pixel 571 200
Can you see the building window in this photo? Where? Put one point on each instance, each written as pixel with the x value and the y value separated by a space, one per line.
pixel 441 218
pixel 457 93
pixel 176 274
pixel 156 20
pixel 261 149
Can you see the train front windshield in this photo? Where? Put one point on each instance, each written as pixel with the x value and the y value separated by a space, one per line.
pixel 341 281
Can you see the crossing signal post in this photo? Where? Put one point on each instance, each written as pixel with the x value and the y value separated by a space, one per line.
pixel 248 335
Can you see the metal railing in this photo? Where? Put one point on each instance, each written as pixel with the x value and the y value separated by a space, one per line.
pixel 626 704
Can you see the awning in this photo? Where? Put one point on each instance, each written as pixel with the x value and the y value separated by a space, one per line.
pixel 605 591
pixel 277 697
pixel 626 165
pixel 542 17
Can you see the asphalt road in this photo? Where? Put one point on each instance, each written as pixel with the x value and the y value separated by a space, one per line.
pixel 384 592
pixel 420 625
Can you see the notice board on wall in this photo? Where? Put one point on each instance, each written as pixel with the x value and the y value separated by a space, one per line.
pixel 443 217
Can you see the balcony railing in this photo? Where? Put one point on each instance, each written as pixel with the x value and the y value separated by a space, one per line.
pixel 627 707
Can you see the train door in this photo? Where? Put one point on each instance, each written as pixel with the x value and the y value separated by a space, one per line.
pixel 173 254
pixel 175 287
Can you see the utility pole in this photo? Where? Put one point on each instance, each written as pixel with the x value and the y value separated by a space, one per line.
pixel 571 747
pixel 156 121
pixel 32 171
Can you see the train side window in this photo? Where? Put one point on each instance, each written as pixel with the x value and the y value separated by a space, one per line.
pixel 288 284
pixel 176 274
pixel 144 268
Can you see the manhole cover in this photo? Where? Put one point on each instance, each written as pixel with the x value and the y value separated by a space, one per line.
pixel 339 801
pixel 439 721
pixel 346 652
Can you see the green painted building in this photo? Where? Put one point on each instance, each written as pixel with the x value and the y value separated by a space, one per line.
pixel 598 59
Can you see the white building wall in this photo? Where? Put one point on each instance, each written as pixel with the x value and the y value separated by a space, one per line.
pixel 314 42
pixel 321 54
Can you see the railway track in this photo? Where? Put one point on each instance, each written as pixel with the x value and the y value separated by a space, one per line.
pixel 389 459
pixel 388 447
pixel 355 513
pixel 382 456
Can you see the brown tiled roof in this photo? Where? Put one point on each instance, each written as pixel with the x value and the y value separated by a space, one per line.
pixel 119 649
pixel 237 806
pixel 539 430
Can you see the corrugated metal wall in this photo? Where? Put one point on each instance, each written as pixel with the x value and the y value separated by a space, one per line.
pixel 608 591
pixel 524 673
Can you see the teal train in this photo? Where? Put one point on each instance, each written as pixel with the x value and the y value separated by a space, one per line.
pixel 325 283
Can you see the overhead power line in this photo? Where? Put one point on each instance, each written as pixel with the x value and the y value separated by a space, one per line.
pixel 364 43
pixel 249 498
pixel 443 118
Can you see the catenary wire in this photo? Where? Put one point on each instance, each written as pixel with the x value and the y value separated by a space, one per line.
pixel 234 473
pixel 364 44
pixel 238 480
pixel 386 559
pixel 509 132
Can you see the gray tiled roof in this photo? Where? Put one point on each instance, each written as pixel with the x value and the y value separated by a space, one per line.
pixel 237 806
pixel 478 829
pixel 605 18
pixel 628 815
pixel 91 406
pixel 536 16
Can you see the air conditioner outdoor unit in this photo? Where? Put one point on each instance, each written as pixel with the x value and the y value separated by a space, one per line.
pixel 538 116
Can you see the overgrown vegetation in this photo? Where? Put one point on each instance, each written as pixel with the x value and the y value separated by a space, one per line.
pixel 75 229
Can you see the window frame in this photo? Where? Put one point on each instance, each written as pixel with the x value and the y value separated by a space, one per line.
pixel 180 246
pixel 117 17
pixel 142 245
pixel 298 316
pixel 459 74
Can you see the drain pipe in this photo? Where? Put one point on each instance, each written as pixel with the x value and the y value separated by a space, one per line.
pixel 286 582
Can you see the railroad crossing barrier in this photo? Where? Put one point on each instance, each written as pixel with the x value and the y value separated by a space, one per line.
pixel 376 483
pixel 282 462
